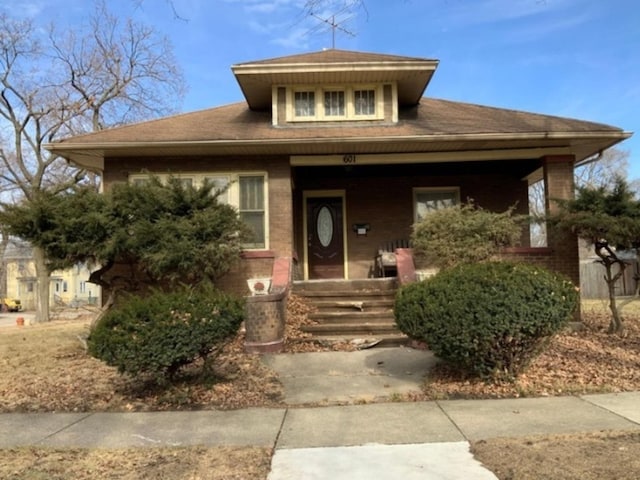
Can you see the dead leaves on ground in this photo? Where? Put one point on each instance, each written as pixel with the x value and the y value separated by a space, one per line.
pixel 45 368
pixel 587 361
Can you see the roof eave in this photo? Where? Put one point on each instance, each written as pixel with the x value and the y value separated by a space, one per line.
pixel 257 81
pixel 91 155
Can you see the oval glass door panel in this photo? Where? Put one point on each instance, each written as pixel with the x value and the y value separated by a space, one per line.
pixel 325 226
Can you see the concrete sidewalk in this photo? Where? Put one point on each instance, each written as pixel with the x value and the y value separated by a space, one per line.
pixel 385 440
pixel 362 440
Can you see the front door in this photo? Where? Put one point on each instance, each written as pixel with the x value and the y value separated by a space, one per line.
pixel 325 242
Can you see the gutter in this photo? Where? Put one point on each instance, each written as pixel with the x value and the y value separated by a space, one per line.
pixel 83 147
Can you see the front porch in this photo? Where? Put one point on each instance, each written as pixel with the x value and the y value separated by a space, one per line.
pixel 343 215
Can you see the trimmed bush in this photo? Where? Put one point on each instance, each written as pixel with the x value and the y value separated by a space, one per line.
pixel 155 335
pixel 490 319
pixel 464 234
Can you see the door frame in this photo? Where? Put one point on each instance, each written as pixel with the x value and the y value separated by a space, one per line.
pixel 306 194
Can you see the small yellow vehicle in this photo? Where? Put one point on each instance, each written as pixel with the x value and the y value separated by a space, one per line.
pixel 11 305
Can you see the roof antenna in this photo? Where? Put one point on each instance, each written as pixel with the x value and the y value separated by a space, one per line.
pixel 335 25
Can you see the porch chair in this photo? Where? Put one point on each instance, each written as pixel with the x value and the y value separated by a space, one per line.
pixel 386 263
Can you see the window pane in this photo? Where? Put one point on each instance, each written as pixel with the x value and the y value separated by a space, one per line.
pixel 305 104
pixel 252 193
pixel 334 103
pixel 220 183
pixel 429 201
pixel 255 221
pixel 365 102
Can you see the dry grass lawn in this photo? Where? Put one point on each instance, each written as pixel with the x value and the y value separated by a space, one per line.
pixel 194 463
pixel 44 368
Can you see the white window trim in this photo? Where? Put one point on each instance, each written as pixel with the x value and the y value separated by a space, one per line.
pixel 349 98
pixel 233 193
pixel 419 190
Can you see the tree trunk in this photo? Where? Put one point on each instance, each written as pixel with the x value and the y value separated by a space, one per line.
pixel 3 265
pixel 608 258
pixel 615 325
pixel 42 291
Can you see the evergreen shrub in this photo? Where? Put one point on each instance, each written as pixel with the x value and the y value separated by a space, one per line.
pixel 490 319
pixel 153 336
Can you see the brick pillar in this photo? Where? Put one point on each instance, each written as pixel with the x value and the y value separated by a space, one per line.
pixel 559 185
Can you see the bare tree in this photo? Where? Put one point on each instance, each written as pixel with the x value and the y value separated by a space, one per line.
pixel 67 83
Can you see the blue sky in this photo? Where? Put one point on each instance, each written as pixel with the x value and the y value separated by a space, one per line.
pixel 574 58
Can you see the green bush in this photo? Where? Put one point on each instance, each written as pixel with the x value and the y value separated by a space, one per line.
pixel 157 334
pixel 464 234
pixel 490 319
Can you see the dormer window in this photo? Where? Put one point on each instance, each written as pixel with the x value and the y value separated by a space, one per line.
pixel 365 102
pixel 305 104
pixel 334 103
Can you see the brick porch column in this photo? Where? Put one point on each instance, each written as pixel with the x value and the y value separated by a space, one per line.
pixel 559 185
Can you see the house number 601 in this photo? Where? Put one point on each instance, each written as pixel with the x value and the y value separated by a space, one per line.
pixel 349 159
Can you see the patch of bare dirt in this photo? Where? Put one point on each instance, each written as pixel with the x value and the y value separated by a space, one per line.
pixel 193 463
pixel 589 456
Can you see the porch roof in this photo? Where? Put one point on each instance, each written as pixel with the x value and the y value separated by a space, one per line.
pixel 432 126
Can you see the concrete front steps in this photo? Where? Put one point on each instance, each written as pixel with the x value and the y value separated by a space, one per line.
pixel 359 311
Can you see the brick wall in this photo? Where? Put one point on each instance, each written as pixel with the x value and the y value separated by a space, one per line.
pixel 254 264
pixel 383 198
pixel 559 184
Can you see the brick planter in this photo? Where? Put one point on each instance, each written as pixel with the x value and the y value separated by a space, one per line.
pixel 264 323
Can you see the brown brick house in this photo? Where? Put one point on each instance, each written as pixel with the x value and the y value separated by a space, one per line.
pixel 336 152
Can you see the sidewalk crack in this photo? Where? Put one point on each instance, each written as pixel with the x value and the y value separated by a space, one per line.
pixel 446 414
pixel 277 439
pixel 66 427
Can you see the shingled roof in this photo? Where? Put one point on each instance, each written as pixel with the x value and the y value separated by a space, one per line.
pixel 432 125
pixel 332 55
pixel 425 125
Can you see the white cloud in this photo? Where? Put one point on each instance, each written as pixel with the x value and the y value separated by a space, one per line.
pixel 296 38
pixel 25 9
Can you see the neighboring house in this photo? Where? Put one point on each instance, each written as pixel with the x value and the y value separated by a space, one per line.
pixel 68 287
pixel 334 153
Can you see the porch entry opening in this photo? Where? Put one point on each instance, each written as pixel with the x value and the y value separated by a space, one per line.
pixel 325 238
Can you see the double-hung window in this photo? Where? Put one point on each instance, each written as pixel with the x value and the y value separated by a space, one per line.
pixel 251 207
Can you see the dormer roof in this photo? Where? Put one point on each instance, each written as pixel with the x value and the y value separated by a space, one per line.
pixel 334 67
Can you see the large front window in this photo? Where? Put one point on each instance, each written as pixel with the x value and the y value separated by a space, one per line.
pixel 244 191
pixel 427 200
